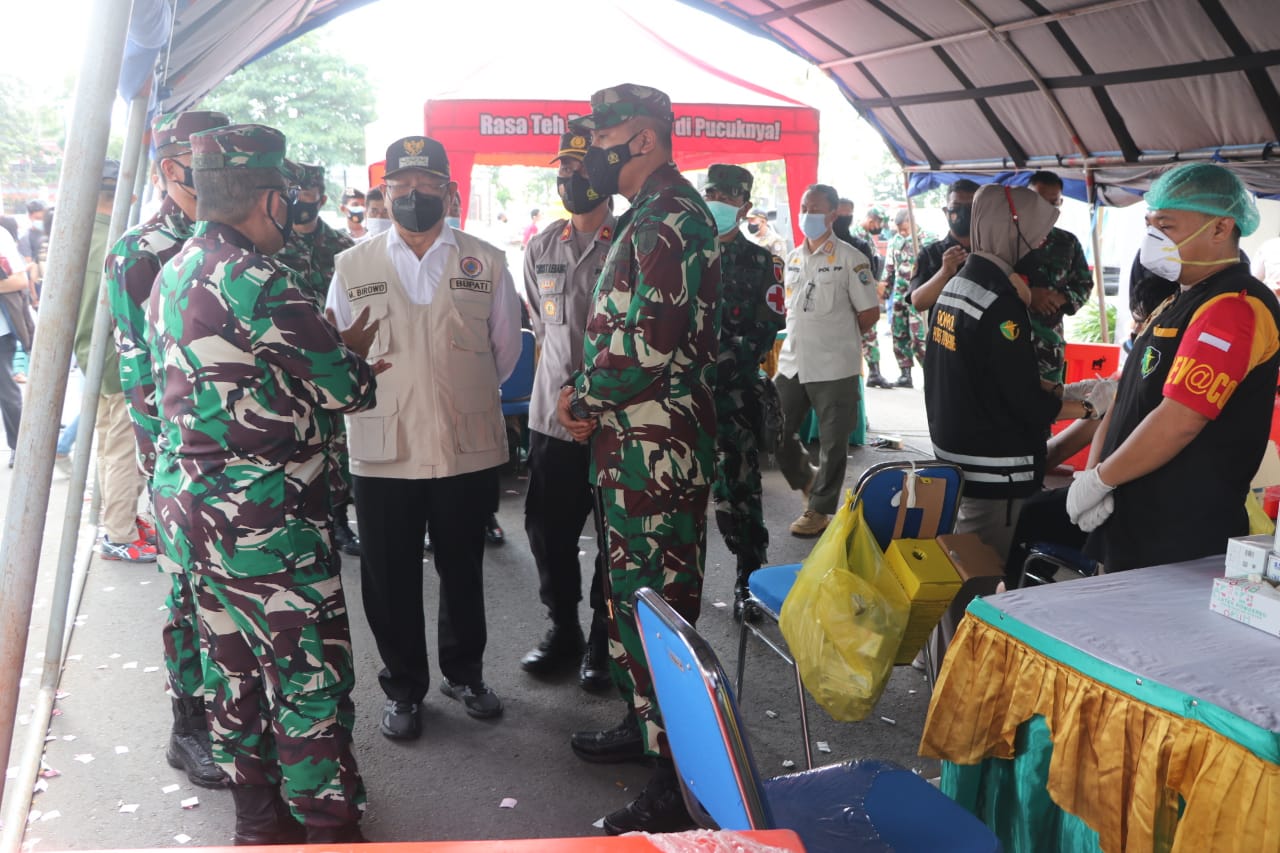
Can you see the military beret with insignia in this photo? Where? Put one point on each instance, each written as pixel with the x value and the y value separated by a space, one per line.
pixel 173 129
pixel 611 107
pixel 417 152
pixel 238 146
pixel 734 180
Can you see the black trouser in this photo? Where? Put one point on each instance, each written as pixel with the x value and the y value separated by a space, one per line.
pixel 10 393
pixel 393 516
pixel 1043 519
pixel 556 507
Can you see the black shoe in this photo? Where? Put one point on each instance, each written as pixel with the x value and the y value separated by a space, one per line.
pixel 904 381
pixel 493 531
pixel 875 380
pixel 263 818
pixel 479 700
pixel 345 538
pixel 623 742
pixel 559 650
pixel 189 749
pixel 594 675
pixel 743 606
pixel 660 808
pixel 427 547
pixel 401 720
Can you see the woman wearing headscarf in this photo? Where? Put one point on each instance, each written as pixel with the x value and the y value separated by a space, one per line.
pixel 988 411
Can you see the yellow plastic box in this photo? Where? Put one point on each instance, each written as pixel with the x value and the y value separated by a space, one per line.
pixel 929 582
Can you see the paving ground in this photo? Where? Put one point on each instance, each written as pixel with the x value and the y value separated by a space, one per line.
pixel 449 784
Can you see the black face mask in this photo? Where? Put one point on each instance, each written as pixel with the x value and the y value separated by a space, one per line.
pixel 604 165
pixel 417 211
pixel 959 221
pixel 305 212
pixel 577 194
pixel 188 180
pixel 285 229
pixel 356 217
pixel 753 227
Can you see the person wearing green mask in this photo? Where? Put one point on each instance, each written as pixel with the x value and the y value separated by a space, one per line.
pixel 1189 424
pixel 752 312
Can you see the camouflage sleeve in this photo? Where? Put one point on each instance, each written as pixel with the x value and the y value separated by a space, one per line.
pixel 1078 282
pixel 130 277
pixel 647 323
pixel 288 331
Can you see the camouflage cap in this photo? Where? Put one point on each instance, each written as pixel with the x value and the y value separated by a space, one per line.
pixel 311 177
pixel 176 128
pixel 417 152
pixel 292 172
pixel 734 180
pixel 875 211
pixel 613 106
pixel 573 144
pixel 238 146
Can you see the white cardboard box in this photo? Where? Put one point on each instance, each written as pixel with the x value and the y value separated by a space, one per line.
pixel 1255 604
pixel 1249 555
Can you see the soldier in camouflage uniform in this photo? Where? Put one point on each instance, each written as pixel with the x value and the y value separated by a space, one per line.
pixel 862 239
pixel 752 312
pixel 131 269
pixel 243 361
pixel 309 251
pixel 909 329
pixel 1060 284
pixel 647 392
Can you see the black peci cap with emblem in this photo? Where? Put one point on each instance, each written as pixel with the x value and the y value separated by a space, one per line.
pixel 417 152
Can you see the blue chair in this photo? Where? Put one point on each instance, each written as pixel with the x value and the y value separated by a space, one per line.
pixel 518 388
pixel 881 489
pixel 865 805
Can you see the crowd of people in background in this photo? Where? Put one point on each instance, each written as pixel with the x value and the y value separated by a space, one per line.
pixel 271 373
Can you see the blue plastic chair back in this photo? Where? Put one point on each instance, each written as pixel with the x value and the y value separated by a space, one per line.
pixel 880 485
pixel 519 385
pixel 710 749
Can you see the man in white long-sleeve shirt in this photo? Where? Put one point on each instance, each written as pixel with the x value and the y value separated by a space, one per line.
pixel 426 457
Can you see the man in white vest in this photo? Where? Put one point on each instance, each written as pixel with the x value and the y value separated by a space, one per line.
pixel 426 458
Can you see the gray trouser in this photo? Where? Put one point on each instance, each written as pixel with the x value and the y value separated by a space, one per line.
pixel 836 405
pixel 10 393
pixel 993 519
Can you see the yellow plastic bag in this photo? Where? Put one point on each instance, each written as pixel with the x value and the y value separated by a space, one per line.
pixel 844 617
pixel 1258 521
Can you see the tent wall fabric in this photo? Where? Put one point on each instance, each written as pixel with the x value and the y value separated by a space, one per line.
pixel 527 133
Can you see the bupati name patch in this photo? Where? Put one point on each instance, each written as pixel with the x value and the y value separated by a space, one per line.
pixel 371 289
pixel 472 284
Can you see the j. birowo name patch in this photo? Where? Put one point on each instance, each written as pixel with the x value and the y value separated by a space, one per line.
pixel 362 290
pixel 471 284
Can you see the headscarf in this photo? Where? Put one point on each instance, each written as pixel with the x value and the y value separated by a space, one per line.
pixel 1007 223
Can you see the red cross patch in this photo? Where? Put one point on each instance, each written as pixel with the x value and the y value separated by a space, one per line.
pixel 776 299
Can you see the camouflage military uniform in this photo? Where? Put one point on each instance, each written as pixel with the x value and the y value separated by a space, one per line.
pixel 1059 265
pixel 752 312
pixel 648 374
pixel 244 361
pixel 908 328
pixel 131 269
pixel 871 337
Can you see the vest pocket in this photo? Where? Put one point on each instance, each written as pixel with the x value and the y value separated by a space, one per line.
pixel 378 312
pixel 372 436
pixel 478 432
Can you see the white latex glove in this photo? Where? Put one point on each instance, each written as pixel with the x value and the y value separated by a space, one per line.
pixel 1077 391
pixel 1102 395
pixel 1092 519
pixel 1087 493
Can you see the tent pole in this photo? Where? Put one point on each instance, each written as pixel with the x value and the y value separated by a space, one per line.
pixel 1095 219
pixel 78 187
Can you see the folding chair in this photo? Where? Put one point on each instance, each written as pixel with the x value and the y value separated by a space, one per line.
pixel 515 394
pixel 897 503
pixel 865 805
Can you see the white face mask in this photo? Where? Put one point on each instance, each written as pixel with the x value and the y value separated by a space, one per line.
pixel 1160 255
pixel 813 225
pixel 377 226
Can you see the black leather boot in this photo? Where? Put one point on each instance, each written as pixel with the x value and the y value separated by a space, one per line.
pixel 874 378
pixel 343 536
pixel 623 742
pixel 263 818
pixel 189 749
pixel 561 649
pixel 594 673
pixel 659 808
